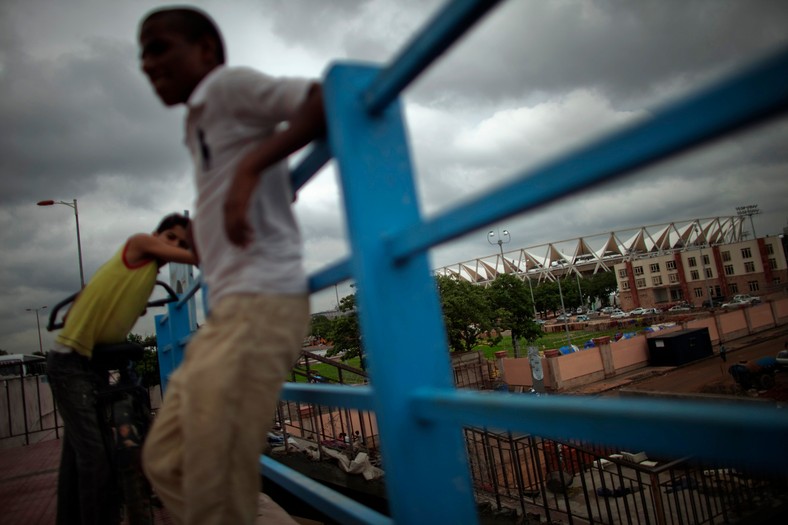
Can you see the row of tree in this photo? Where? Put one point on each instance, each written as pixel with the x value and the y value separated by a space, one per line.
pixel 471 311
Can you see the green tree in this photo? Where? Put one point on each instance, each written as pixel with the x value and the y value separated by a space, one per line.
pixel 147 368
pixel 344 333
pixel 511 303
pixel 546 297
pixel 467 312
pixel 599 287
pixel 320 327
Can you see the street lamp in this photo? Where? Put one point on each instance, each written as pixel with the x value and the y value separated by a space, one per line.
pixel 79 242
pixel 703 265
pixel 563 308
pixel 38 325
pixel 500 242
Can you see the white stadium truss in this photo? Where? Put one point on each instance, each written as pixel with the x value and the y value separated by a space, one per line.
pixel 599 252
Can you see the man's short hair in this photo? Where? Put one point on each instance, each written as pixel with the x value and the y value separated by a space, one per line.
pixel 172 220
pixel 192 23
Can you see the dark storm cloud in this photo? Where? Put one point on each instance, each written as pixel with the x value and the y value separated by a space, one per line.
pixel 629 50
pixel 70 120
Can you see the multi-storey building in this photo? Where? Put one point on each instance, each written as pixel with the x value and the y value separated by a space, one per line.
pixel 699 272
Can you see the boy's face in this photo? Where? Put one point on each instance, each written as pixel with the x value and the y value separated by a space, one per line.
pixel 175 236
pixel 173 64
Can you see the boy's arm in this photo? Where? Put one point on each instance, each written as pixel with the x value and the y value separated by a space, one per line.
pixel 143 246
pixel 306 125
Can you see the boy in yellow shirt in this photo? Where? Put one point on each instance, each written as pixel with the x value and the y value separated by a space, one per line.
pixel 103 313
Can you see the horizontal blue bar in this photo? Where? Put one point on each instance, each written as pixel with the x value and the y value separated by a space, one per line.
pixel 358 397
pixel 446 27
pixel 760 92
pixel 336 273
pixel 317 157
pixel 330 502
pixel 733 434
pixel 190 292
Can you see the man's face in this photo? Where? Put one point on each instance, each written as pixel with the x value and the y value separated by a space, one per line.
pixel 173 65
pixel 175 236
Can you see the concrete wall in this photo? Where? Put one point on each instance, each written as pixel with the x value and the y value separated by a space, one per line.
pixel 564 372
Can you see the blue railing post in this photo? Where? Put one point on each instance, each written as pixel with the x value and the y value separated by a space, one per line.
pixel 427 474
pixel 172 330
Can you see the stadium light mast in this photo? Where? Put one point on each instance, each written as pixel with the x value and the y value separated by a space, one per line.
pixel 748 211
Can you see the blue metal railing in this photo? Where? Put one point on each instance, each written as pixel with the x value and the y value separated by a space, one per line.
pixel 420 414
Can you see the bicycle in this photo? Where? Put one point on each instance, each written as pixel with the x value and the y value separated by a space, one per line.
pixel 125 413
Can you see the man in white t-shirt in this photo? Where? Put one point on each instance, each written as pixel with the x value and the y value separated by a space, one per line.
pixel 202 452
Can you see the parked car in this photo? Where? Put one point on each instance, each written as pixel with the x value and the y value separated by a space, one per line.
pixel 746 298
pixel 607 310
pixel 782 358
pixel 653 311
pixel 581 318
pixel 680 308
pixel 736 304
pixel 638 311
pixel 562 317
pixel 618 314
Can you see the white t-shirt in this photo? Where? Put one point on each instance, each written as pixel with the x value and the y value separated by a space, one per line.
pixel 231 111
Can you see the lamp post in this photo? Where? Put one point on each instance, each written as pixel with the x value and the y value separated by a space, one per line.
pixel 38 325
pixel 703 264
pixel 79 242
pixel 500 242
pixel 563 308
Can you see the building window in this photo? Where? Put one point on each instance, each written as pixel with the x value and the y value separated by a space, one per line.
pixel 691 262
pixel 656 280
pixel 674 277
pixel 670 265
pixel 625 285
pixel 746 253
pixel 726 256
pixel 733 287
pixel 694 275
pixel 753 285
pixel 640 283
pixel 638 270
pixel 709 273
pixel 773 264
pixel 698 292
pixel 749 267
pixel 728 269
pixel 654 268
pixel 706 259
pixel 769 249
pixel 622 273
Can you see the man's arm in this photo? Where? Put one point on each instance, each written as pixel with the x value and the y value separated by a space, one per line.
pixel 143 246
pixel 307 124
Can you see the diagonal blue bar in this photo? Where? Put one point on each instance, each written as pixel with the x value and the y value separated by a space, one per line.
pixel 731 434
pixel 445 28
pixel 336 273
pixel 311 164
pixel 358 397
pixel 341 508
pixel 752 96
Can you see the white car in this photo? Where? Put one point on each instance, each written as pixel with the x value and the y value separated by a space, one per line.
pixel 679 308
pixel 745 298
pixel 638 311
pixel 618 314
pixel 736 304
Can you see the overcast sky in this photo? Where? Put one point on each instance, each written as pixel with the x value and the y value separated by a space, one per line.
pixel 534 79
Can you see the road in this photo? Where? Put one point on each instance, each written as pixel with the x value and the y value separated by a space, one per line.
pixel 707 375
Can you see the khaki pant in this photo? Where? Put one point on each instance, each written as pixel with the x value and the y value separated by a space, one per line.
pixel 202 453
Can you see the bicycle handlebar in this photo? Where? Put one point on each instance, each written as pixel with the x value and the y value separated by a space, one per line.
pixel 53 324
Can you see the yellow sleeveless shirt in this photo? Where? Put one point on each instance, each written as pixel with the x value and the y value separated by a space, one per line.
pixel 106 310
